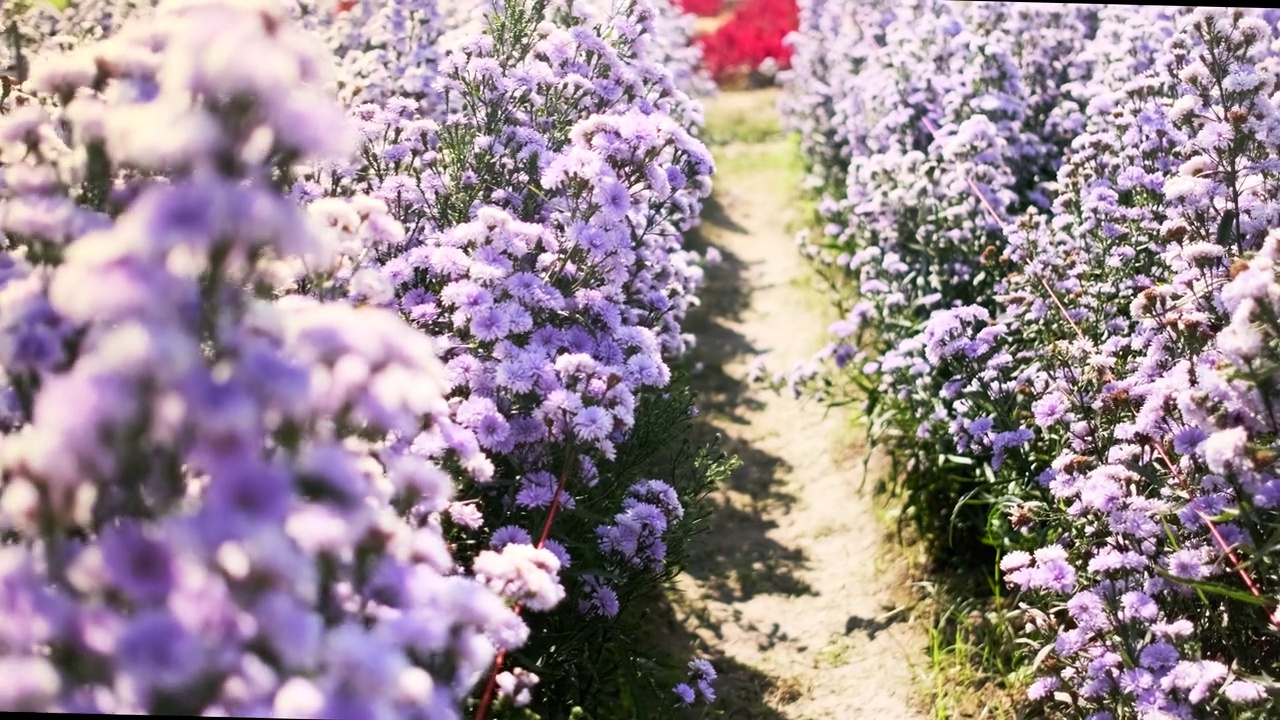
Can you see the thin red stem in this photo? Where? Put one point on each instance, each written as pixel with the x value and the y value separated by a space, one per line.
pixel 1061 308
pixel 982 197
pixel 555 502
pixel 486 700
pixel 991 211
pixel 1217 535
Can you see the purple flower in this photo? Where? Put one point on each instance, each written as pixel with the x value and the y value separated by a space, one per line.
pixel 158 652
pixel 467 515
pixel 33 686
pixel 980 427
pixel 248 491
pixel 537 490
pixel 601 599
pixel 1049 409
pixel 593 423
pixel 37 614
pixel 1187 563
pixel 702 668
pixel 1015 560
pixel 1138 606
pixel 706 690
pixel 556 548
pixel 507 535
pixel 1042 687
pixel 139 566
pixel 1087 609
pixel 1159 656
pixel 1055 576
pixel 615 198
pixel 1186 440
pixel 1224 450
pixel 293 631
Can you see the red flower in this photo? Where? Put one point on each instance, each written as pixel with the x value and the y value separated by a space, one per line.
pixel 752 35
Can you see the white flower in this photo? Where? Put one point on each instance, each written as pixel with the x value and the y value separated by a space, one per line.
pixel 1240 339
pixel 1243 692
pixel 1224 448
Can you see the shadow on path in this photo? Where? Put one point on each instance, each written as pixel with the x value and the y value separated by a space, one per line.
pixel 715 214
pixel 734 559
pixel 783 590
pixel 745 692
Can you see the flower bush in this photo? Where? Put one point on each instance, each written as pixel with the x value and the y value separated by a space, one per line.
pixel 545 244
pixel 1056 314
pixel 751 41
pixel 202 478
pixel 346 394
pixel 943 141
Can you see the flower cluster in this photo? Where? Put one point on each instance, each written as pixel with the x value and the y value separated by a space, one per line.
pixel 636 533
pixel 751 41
pixel 940 130
pixel 383 50
pixel 1062 312
pixel 698 684
pixel 543 241
pixel 216 497
pixel 310 324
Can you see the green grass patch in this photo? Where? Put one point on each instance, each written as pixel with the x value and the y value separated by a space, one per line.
pixel 24 4
pixel 977 663
pixel 743 116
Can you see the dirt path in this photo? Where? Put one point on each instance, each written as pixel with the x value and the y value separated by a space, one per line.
pixel 791 590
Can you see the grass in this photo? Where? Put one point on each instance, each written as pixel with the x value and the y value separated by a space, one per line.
pixel 835 652
pixel 976 660
pixel 56 3
pixel 737 119
pixel 973 666
pixel 976 668
pixel 742 159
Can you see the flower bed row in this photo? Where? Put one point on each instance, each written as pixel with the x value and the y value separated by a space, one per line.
pixel 337 353
pixel 1050 231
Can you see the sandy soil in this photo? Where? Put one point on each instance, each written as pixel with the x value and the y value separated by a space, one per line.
pixel 792 591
